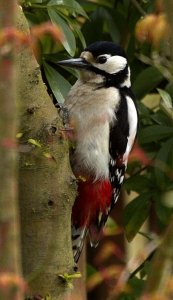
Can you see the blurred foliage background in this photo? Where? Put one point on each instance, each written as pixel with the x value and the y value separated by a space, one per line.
pixel 140 27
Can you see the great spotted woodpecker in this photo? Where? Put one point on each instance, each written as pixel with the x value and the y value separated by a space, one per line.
pixel 103 118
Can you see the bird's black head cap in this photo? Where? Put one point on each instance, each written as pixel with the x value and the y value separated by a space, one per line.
pixel 105 47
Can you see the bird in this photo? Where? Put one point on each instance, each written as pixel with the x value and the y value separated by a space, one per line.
pixel 100 118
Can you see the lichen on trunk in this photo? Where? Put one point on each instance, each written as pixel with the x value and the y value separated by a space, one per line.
pixel 46 185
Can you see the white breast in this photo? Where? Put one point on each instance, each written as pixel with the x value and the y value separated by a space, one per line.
pixel 91 112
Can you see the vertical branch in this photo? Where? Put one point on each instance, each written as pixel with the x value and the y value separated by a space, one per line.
pixel 9 229
pixel 168 4
pixel 159 281
pixel 160 276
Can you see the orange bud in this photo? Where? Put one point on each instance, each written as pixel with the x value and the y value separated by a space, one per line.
pixel 138 154
pixel 47 28
pixel 160 30
pixel 8 280
pixel 152 28
pixel 144 26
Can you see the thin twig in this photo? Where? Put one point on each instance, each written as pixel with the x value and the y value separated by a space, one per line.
pixel 139 8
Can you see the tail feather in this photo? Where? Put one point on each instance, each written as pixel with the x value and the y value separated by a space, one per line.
pixel 92 201
pixel 78 239
pixel 95 234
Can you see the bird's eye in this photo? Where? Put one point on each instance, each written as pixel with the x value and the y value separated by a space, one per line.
pixel 101 59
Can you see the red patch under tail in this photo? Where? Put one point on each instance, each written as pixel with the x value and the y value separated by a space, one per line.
pixel 93 198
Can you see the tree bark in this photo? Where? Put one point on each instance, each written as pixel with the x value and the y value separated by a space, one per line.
pixel 46 185
pixel 9 226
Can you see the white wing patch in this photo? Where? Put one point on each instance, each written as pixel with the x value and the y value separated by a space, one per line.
pixel 133 120
pixel 117 171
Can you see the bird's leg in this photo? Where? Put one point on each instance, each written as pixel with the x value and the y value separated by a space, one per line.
pixel 64 113
pixel 67 130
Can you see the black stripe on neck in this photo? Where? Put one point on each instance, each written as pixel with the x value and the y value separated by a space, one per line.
pixel 115 80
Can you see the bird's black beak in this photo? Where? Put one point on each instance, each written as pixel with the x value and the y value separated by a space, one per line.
pixel 78 63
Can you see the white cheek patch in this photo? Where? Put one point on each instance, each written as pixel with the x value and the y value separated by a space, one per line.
pixel 114 64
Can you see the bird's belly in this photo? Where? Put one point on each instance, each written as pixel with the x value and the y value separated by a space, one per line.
pixel 91 154
pixel 91 111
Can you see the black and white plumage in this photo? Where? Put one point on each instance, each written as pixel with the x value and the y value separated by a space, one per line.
pixel 103 116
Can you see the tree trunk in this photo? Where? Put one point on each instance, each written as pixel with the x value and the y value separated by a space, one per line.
pixel 9 227
pixel 46 185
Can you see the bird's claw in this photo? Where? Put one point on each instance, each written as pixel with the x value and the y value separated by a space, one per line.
pixel 64 113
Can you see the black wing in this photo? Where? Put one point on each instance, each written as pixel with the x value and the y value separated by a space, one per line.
pixel 118 139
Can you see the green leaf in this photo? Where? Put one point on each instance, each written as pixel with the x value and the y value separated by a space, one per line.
pixel 68 42
pixel 135 213
pixel 136 285
pixel 30 2
pixel 97 23
pixel 161 162
pixel 166 98
pixel 111 23
pixel 36 1
pixel 90 270
pixel 137 183
pixel 169 89
pixel 59 85
pixel 55 57
pixel 163 213
pixel 146 81
pixel 166 103
pixel 78 31
pixel 143 110
pixel 159 117
pixel 167 199
pixel 105 3
pixel 71 5
pixel 154 133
